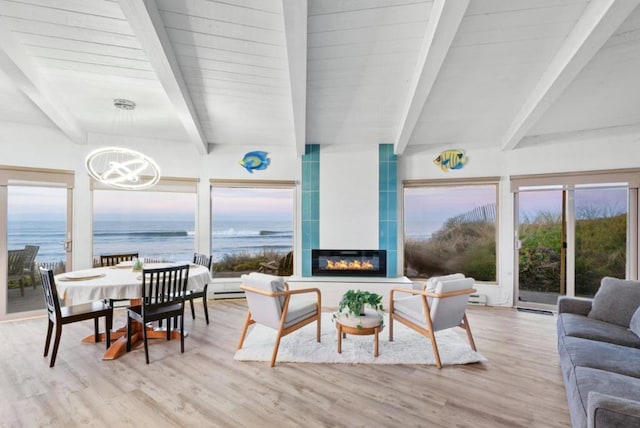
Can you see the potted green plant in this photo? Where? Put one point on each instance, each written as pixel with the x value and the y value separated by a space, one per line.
pixel 356 300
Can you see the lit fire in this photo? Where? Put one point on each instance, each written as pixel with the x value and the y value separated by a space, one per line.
pixel 350 265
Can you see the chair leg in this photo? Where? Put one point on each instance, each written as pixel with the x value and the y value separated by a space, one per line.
pixel 193 312
pixel 245 327
pixel 144 339
pixel 96 329
pixel 48 340
pixel 182 332
pixel 318 327
pixel 204 303
pixel 56 343
pixel 468 330
pixel 108 322
pixel 175 321
pixel 129 321
pixel 390 327
pixel 275 349
pixel 434 345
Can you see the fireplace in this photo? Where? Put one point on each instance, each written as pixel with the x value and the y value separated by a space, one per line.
pixel 349 263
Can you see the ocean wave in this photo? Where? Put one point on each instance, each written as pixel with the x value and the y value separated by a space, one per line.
pixel 233 233
pixel 146 233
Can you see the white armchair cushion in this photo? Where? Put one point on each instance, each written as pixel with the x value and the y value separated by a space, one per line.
pixel 448 312
pixel 265 310
pixel 445 312
pixel 410 308
pixel 300 309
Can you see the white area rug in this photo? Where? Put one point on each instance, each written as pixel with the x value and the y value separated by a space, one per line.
pixel 408 347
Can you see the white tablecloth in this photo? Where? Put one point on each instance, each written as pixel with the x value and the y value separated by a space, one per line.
pixel 117 283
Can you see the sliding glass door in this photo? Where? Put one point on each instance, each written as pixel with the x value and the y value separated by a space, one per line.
pixel 568 238
pixel 36 227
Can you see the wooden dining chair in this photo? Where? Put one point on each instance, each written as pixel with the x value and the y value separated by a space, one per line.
pixel 190 295
pixel 112 260
pixel 163 292
pixel 60 315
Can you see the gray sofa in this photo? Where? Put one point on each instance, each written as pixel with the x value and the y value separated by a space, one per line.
pixel 599 346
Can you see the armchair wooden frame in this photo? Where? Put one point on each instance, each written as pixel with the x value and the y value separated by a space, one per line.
pixel 427 329
pixel 282 331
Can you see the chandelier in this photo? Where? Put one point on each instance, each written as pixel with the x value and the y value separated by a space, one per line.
pixel 123 168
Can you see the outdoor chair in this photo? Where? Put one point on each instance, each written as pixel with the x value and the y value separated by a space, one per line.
pixel 28 262
pixel 190 295
pixel 112 260
pixel 16 268
pixel 60 315
pixel 162 298
pixel 273 305
pixel 438 306
pixel 283 267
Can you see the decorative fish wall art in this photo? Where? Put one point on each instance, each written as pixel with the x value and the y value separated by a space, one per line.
pixel 257 160
pixel 450 159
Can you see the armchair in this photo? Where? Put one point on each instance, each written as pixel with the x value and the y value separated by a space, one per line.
pixel 271 304
pixel 434 308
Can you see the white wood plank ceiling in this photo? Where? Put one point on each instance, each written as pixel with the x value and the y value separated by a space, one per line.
pixel 415 73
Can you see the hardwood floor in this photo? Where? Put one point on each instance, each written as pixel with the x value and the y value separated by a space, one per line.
pixel 519 386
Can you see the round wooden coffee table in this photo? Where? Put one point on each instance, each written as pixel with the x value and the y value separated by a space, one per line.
pixel 364 325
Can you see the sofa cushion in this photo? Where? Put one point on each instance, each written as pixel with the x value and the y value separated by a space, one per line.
pixel 634 324
pixel 600 355
pixel 616 301
pixel 580 381
pixel 588 328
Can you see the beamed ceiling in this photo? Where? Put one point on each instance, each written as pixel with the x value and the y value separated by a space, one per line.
pixel 418 74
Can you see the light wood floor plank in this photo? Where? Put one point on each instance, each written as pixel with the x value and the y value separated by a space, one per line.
pixel 519 386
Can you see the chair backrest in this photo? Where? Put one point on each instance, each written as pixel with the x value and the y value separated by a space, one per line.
pixel 164 286
pixel 30 252
pixel 114 259
pixel 203 260
pixel 50 294
pixel 16 263
pixel 447 312
pixel 285 266
pixel 265 310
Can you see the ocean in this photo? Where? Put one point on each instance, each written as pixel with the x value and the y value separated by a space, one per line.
pixel 166 239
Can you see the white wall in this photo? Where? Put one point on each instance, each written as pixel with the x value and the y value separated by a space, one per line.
pixel 349 197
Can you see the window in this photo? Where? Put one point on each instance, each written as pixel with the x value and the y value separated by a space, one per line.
pixel 251 223
pixel 158 224
pixel 450 227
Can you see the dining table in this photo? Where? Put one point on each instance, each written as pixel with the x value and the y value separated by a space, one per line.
pixel 120 282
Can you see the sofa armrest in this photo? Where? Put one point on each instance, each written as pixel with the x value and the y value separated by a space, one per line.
pixel 574 305
pixel 609 411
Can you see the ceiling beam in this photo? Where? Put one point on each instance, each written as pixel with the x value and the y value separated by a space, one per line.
pixel 146 23
pixel 597 24
pixel 444 20
pixel 25 74
pixel 295 31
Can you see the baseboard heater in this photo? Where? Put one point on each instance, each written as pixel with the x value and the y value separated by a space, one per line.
pixel 226 290
pixel 477 299
pixel 228 294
